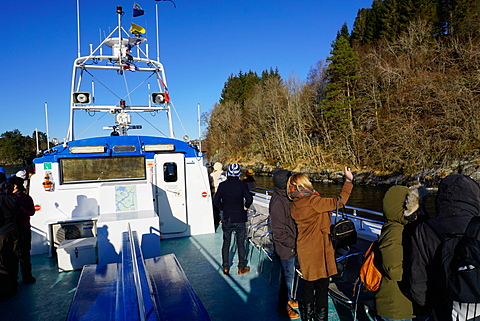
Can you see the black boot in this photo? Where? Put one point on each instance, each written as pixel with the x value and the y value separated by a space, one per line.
pixel 306 311
pixel 320 314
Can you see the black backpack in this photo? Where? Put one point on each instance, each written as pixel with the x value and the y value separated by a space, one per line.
pixel 460 260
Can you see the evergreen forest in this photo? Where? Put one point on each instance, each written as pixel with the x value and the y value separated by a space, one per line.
pixel 398 93
pixel 19 150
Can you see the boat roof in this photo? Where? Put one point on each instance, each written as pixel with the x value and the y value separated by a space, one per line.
pixel 118 146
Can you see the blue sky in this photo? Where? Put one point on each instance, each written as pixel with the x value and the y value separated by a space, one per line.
pixel 201 44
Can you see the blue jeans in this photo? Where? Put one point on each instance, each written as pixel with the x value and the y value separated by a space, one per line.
pixel 240 232
pixel 285 291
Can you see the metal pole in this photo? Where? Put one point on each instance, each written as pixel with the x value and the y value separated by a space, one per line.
pixel 199 130
pixel 93 92
pixel 148 97
pixel 78 28
pixel 119 12
pixel 46 120
pixel 36 139
pixel 156 31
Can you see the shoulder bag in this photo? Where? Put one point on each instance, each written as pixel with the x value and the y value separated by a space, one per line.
pixel 343 232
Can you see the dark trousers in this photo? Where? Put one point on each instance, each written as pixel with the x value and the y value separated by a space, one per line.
pixel 8 266
pixel 25 245
pixel 316 292
pixel 240 232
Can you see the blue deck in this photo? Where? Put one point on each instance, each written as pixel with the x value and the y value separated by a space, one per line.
pixel 234 297
pixel 247 297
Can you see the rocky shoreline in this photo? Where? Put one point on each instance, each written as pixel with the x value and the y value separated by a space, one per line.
pixel 428 177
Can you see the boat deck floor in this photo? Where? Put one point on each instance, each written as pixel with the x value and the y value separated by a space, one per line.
pixel 252 296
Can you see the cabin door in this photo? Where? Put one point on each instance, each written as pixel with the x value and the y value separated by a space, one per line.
pixel 170 198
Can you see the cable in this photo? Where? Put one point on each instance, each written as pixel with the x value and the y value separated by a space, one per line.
pixel 175 110
pixel 102 84
pixel 152 125
pixel 91 125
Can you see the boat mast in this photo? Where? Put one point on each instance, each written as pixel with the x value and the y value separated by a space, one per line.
pixel 120 60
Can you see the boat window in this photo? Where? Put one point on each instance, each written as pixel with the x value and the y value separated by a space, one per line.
pixel 170 172
pixel 88 169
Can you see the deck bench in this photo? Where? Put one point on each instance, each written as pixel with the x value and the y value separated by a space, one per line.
pixel 136 289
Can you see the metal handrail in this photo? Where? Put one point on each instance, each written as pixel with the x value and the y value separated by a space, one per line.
pixel 136 276
pixel 360 219
pixel 355 209
pixel 266 190
pixel 354 215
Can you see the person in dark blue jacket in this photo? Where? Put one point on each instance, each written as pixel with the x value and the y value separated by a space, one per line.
pixel 233 198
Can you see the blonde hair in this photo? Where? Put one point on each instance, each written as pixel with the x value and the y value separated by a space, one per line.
pixel 299 179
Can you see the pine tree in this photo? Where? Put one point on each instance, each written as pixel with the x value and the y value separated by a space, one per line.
pixel 368 24
pixel 339 104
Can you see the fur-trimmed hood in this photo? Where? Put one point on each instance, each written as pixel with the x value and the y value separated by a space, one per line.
pixel 401 202
pixel 414 200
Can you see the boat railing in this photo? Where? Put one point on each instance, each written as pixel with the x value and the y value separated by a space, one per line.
pixel 264 191
pixel 134 269
pixel 360 219
pixel 361 215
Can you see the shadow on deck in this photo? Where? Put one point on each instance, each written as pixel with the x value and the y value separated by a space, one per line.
pixel 234 297
pixel 46 300
pixel 247 297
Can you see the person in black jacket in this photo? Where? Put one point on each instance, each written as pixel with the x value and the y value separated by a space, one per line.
pixel 8 240
pixel 284 232
pixel 233 198
pixel 26 209
pixel 457 201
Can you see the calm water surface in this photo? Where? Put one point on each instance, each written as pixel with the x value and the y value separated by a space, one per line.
pixel 367 197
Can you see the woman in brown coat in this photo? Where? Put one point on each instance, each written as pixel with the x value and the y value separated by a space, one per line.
pixel 315 251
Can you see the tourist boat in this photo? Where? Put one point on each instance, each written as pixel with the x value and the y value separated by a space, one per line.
pixel 92 187
pixel 111 209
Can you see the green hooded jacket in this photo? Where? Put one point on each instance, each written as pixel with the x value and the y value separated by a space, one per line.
pixel 390 301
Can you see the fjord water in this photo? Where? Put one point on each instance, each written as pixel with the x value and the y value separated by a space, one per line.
pixel 367 197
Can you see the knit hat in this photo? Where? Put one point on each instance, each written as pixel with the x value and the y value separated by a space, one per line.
pixel 233 170
pixel 280 178
pixel 22 174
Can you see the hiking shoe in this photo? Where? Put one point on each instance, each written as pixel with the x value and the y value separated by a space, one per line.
pixel 226 271
pixel 288 312
pixel 245 270
pixel 293 303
